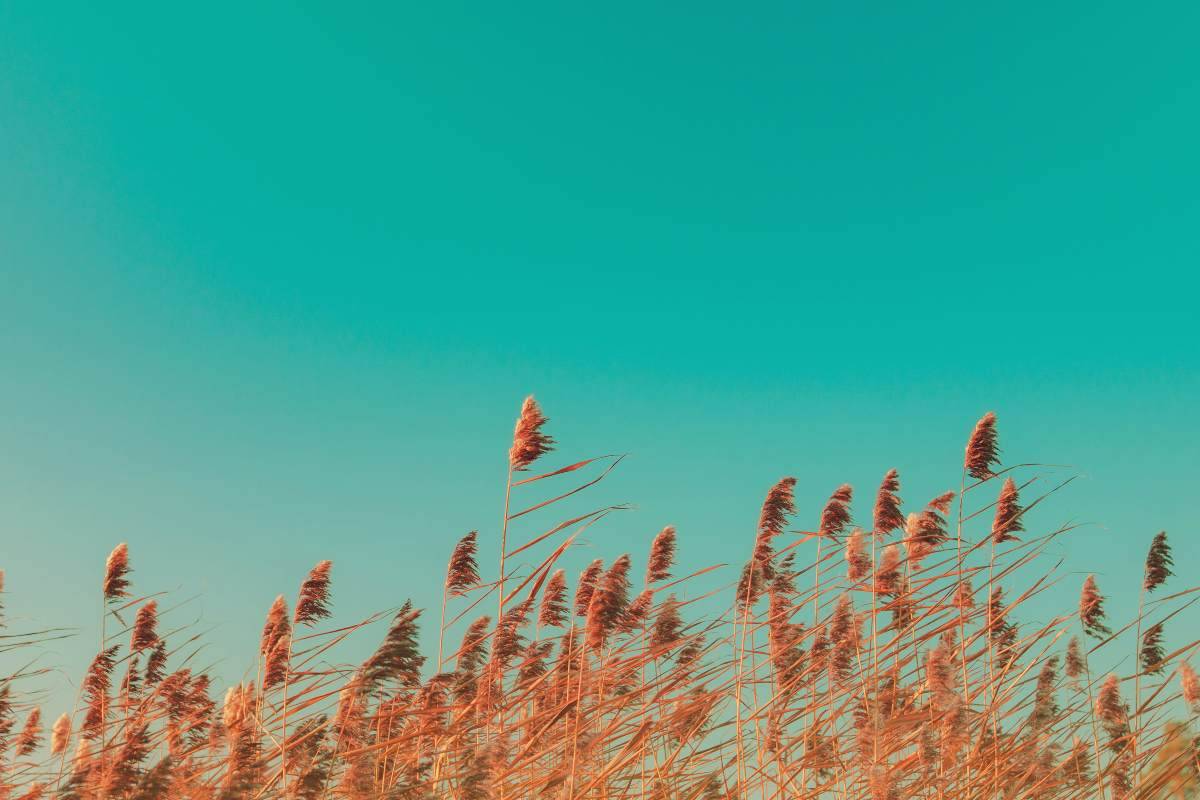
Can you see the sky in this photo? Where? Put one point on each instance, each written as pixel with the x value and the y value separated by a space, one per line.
pixel 275 278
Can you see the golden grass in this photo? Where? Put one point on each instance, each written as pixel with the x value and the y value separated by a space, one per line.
pixel 886 662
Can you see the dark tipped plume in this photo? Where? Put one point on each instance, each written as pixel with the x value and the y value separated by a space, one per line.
pixel 312 604
pixel 145 626
pixel 587 586
pixel 116 568
pixel 608 602
pixel 398 657
pixel 1152 651
pixel 982 449
pixel 1008 514
pixel 662 556
pixel 30 737
pixel 1158 562
pixel 1091 609
pixel 887 504
pixel 836 514
pixel 553 611
pixel 462 574
pixel 276 639
pixel 529 443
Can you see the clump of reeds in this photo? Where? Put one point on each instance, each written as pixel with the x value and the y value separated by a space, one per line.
pixel 840 663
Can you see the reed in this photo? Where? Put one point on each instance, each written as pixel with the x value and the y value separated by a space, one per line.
pixel 838 663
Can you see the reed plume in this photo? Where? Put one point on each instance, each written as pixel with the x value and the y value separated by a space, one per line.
pixel 1091 609
pixel 1189 685
pixel 1008 514
pixel 553 611
pixel 529 443
pixel 116 570
pixel 145 627
pixel 1152 651
pixel 462 574
pixel 398 658
pixel 275 643
pixel 662 556
pixel 587 587
pixel 888 516
pixel 858 562
pixel 1158 563
pixel 312 603
pixel 982 449
pixel 608 602
pixel 835 516
pixel 60 734
pixel 30 737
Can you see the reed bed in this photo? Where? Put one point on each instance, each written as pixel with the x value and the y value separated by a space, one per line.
pixel 866 649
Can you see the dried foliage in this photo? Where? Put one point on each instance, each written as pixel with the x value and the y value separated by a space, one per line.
pixel 870 671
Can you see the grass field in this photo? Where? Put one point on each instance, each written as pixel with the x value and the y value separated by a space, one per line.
pixel 874 649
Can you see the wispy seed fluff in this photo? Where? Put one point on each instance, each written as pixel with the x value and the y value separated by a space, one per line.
pixel 60 734
pixel 116 568
pixel 858 563
pixel 1008 514
pixel 529 443
pixel 1189 684
pixel 1091 609
pixel 982 450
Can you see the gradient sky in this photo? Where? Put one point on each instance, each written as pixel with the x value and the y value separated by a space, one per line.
pixel 275 278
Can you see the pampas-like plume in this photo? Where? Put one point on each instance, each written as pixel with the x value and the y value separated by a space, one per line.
pixel 759 570
pixel 398 657
pixel 1152 649
pixel 1189 685
pixel 116 568
pixel 888 516
pixel 608 602
pixel 1158 562
pixel 858 563
pixel 462 574
pixel 1045 709
pixel 662 556
pixel 964 595
pixel 95 691
pixel 1008 514
pixel 1109 708
pixel 273 646
pixel 312 604
pixel 587 587
pixel 1074 664
pixel 31 735
pixel 926 531
pixel 887 576
pixel 553 611
pixel 470 653
pixel 667 625
pixel 529 443
pixel 1091 609
pixel 156 664
pixel 982 450
pixel 836 514
pixel 60 734
pixel 145 627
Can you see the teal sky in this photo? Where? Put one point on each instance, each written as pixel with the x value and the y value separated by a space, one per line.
pixel 274 278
